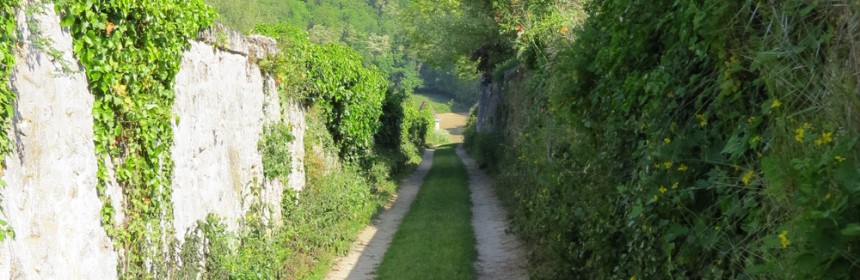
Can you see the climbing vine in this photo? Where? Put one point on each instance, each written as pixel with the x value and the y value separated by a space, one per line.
pixel 8 32
pixel 132 51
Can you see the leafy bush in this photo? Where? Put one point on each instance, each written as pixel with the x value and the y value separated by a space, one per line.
pixel 404 129
pixel 349 95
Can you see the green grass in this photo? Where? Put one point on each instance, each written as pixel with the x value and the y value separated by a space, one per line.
pixel 435 239
pixel 441 103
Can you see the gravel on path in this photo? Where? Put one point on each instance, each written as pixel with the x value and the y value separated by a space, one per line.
pixel 500 255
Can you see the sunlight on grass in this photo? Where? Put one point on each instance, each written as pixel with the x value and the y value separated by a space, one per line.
pixel 435 239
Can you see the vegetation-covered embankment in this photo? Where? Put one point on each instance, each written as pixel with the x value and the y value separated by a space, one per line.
pixel 682 139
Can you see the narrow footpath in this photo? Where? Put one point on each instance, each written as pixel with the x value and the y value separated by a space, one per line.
pixel 367 251
pixel 500 255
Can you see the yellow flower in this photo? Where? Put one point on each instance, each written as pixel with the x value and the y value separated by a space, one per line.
pixel 748 177
pixel 839 158
pixel 703 121
pixel 783 239
pixel 682 168
pixel 675 186
pixel 667 140
pixel 825 138
pixel 667 164
pixel 775 104
pixel 663 189
pixel 656 198
pixel 799 134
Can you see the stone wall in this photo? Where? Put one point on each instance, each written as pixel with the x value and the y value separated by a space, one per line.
pixel 222 103
pixel 50 199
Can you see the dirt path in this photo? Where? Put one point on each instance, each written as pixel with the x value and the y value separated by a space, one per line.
pixel 500 256
pixel 366 253
pixel 454 124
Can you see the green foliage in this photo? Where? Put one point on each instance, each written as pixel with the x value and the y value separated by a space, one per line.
pixel 8 33
pixel 435 239
pixel 369 27
pixel 276 153
pixel 536 27
pixel 484 148
pixel 449 85
pixel 332 77
pixel 132 51
pixel 678 139
pixel 349 95
pixel 403 129
pixel 443 32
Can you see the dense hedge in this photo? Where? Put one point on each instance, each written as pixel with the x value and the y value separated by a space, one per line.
pixel 689 140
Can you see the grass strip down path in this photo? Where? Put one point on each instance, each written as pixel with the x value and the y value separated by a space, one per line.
pixel 435 238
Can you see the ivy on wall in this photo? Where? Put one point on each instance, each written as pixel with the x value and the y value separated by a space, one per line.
pixel 8 33
pixel 132 51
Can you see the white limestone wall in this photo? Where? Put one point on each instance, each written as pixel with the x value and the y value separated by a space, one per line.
pixel 51 200
pixel 223 102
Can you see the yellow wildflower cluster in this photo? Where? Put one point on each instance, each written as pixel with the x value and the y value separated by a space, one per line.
pixel 667 140
pixel 775 104
pixel 826 137
pixel 839 158
pixel 747 178
pixel 783 239
pixel 663 189
pixel 800 132
pixel 682 168
pixel 667 164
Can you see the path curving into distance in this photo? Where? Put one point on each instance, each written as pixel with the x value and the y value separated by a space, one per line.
pixel 501 256
pixel 367 251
